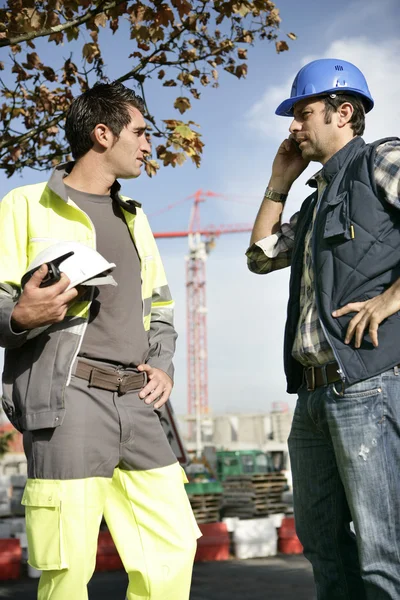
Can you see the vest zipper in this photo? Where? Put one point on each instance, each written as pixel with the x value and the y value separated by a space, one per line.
pixel 341 370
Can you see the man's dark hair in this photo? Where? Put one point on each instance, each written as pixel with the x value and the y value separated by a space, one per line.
pixel 357 121
pixel 106 103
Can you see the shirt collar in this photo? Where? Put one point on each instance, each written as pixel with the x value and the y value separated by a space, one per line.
pixel 336 162
pixel 56 184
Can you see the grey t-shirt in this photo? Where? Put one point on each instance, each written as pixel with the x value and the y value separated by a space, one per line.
pixel 115 332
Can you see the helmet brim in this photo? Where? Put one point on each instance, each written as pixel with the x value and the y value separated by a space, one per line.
pixel 100 280
pixel 285 109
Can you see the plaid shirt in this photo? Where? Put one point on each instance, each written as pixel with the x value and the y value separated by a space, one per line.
pixel 274 252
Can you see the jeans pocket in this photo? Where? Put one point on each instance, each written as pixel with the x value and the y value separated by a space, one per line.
pixel 43 514
pixel 363 389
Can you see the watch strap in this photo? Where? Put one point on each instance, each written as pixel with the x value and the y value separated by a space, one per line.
pixel 275 196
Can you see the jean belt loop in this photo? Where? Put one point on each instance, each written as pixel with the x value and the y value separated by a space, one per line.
pixel 311 386
pixel 324 375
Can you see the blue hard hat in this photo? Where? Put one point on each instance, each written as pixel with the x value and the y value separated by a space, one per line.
pixel 326 76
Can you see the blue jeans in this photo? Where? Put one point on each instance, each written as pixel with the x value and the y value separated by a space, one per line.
pixel 345 458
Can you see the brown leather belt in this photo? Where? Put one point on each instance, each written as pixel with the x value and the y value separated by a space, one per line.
pixel 319 376
pixel 116 380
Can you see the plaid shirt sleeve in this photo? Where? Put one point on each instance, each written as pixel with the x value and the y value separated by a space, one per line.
pixel 387 171
pixel 275 251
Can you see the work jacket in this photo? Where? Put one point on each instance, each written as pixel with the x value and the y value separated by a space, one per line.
pixel 38 363
pixel 356 256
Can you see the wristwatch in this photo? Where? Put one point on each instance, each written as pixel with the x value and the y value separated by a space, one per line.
pixel 275 196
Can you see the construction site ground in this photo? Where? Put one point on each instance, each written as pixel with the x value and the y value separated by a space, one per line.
pixel 281 577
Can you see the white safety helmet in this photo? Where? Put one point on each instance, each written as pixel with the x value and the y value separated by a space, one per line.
pixel 80 263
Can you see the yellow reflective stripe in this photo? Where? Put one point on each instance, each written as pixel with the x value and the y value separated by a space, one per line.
pixel 146 322
pixel 167 303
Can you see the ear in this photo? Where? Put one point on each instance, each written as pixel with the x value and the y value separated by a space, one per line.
pixel 102 136
pixel 344 114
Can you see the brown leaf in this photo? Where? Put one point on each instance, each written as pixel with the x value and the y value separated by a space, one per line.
pixel 281 46
pixel 151 167
pixel 15 153
pixel 72 33
pixel 49 74
pixel 58 37
pixel 1 66
pixel 182 104
pixel 161 74
pixel 292 36
pixel 90 52
pixel 32 61
pixel 183 7
pixel 186 78
pixel 170 83
pixel 242 53
pixel 164 16
pixel 241 71
pixel 101 20
pixel 114 24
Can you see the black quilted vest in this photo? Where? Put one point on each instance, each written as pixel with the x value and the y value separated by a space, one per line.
pixel 347 268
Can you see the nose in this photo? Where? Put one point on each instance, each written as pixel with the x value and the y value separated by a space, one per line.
pixel 146 146
pixel 295 126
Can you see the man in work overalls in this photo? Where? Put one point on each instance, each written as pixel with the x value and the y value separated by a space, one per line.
pixel 86 374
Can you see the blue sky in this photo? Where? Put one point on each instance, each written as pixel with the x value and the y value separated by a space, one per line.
pixel 246 313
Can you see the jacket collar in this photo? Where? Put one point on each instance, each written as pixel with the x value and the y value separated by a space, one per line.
pixel 337 161
pixel 56 184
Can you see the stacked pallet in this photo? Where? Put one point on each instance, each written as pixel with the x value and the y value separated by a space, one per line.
pixel 249 496
pixel 269 489
pixel 206 507
pixel 205 498
pixel 239 497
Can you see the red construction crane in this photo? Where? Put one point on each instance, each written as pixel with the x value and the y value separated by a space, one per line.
pixel 201 241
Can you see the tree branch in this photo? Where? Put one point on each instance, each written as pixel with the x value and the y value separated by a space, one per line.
pixel 26 37
pixel 27 136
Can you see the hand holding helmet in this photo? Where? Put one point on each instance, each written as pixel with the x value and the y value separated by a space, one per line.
pixel 50 283
pixel 39 306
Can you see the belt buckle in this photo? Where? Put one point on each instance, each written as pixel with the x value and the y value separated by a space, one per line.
pixel 122 386
pixel 311 387
pixel 123 383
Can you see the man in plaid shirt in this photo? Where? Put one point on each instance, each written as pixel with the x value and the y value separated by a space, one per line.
pixel 344 249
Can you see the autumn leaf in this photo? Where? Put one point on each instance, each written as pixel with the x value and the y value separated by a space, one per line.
pixel 90 52
pixel 183 7
pixel 182 104
pixel 101 20
pixel 151 167
pixel 292 36
pixel 281 46
pixel 185 132
pixel 32 61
